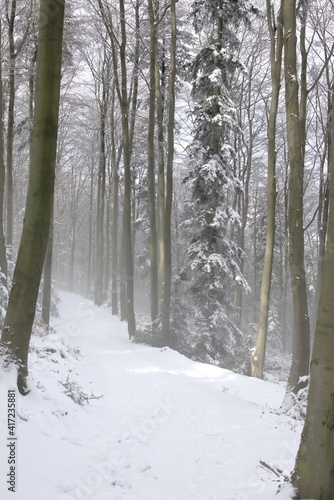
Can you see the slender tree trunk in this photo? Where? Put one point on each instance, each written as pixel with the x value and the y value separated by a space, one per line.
pixel 47 283
pixel 28 270
pixel 115 210
pixel 106 272
pixel 255 259
pixel 285 262
pixel 160 92
pixel 101 205
pixel 167 263
pixel 258 354
pixel 243 201
pixel 10 127
pixel 122 284
pixel 301 333
pixel 313 476
pixel 90 233
pixel 127 232
pixel 133 116
pixel 135 78
pixel 151 166
pixel 121 84
pixel 72 253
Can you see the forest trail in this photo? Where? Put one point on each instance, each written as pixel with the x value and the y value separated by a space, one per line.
pixel 166 428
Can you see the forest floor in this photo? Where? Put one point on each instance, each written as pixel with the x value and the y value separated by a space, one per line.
pixel 108 419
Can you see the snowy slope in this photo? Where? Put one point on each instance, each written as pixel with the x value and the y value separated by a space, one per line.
pixel 166 428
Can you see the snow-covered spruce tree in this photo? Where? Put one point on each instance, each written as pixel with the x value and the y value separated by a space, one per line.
pixel 213 259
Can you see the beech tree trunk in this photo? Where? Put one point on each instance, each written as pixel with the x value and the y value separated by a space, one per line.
pixel 121 84
pixel 313 476
pixel 166 277
pixel 20 315
pixel 47 281
pixel 161 188
pixel 258 354
pixel 127 232
pixel 3 256
pixel 90 232
pixel 301 324
pixel 101 190
pixel 115 202
pixel 10 127
pixel 151 165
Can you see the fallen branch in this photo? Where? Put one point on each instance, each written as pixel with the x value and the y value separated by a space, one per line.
pixel 272 469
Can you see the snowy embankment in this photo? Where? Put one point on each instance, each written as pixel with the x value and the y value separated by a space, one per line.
pixel 164 428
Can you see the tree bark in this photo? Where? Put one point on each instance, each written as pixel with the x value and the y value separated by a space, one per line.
pixel 101 188
pixel 276 46
pixel 151 165
pixel 90 231
pixel 47 274
pixel 161 188
pixel 27 275
pixel 115 209
pixel 3 255
pixel 10 127
pixel 313 476
pixel 127 233
pixel 301 330
pixel 167 254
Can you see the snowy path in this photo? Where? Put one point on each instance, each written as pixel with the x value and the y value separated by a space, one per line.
pixel 167 428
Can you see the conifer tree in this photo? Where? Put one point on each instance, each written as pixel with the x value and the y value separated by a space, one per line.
pixel 212 257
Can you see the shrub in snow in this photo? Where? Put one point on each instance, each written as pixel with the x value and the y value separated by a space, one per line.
pixel 150 334
pixel 295 405
pixel 74 391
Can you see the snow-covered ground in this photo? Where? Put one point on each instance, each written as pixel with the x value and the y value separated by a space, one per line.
pixel 164 428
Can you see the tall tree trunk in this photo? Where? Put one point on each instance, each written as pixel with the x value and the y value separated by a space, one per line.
pixel 101 187
pixel 301 331
pixel 20 315
pixel 10 127
pixel 90 233
pixel 115 210
pixel 151 165
pixel 3 256
pixel 313 476
pixel 127 233
pixel 72 252
pixel 167 255
pixel 73 229
pixel 121 84
pixel 323 207
pixel 276 46
pixel 284 260
pixel 160 93
pixel 122 284
pixel 243 198
pixel 47 282
pixel 106 271
pixel 255 259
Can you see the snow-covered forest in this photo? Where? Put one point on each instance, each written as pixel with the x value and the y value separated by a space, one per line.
pixel 165 170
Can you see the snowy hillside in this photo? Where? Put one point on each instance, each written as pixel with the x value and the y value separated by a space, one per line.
pixel 152 425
